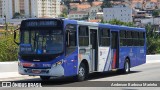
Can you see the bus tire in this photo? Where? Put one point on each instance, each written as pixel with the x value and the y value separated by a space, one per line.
pixel 126 66
pixel 44 78
pixel 82 73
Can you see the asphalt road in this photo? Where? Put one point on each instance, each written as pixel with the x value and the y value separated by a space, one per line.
pixel 146 73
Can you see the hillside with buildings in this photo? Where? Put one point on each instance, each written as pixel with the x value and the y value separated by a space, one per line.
pixel 140 12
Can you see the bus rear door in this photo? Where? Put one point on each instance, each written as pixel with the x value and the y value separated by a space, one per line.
pixel 115 49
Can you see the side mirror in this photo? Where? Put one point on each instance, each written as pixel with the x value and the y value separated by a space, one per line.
pixel 15 35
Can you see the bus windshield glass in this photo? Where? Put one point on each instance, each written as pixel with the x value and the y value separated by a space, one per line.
pixel 41 42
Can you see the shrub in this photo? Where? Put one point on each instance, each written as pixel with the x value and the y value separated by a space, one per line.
pixel 8 49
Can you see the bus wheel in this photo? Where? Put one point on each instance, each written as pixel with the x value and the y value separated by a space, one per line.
pixel 45 77
pixel 126 66
pixel 82 72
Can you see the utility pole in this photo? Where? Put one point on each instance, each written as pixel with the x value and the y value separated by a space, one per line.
pixel 6 24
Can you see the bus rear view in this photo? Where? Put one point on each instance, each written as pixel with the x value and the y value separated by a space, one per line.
pixel 41 44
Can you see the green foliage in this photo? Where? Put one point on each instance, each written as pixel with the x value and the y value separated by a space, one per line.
pixel 106 4
pixel 153 40
pixel 8 49
pixel 64 13
pixel 118 22
pixel 155 13
pixel 16 15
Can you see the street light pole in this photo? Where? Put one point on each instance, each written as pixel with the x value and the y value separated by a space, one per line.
pixel 6 22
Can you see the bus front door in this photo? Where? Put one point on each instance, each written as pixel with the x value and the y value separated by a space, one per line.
pixel 115 49
pixel 94 49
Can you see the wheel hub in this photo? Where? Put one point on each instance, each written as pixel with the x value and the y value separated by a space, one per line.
pixel 81 72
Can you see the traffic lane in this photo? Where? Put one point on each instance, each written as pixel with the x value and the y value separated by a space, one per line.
pixel 146 72
pixel 139 72
pixel 70 81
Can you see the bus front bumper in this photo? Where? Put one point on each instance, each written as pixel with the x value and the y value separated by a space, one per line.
pixel 56 71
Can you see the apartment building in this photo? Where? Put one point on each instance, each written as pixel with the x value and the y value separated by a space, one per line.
pixel 30 8
pixel 0 8
pixel 120 13
pixel 78 15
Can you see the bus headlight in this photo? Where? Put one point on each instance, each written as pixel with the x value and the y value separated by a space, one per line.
pixel 57 63
pixel 19 63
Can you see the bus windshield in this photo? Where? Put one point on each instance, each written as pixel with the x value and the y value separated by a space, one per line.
pixel 41 42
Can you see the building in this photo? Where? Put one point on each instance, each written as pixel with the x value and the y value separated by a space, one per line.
pixel 7 8
pixel 78 15
pixel 0 8
pixel 99 15
pixel 83 7
pixel 152 21
pixel 30 8
pixel 93 11
pixel 42 8
pixel 96 7
pixel 120 13
pixel 73 6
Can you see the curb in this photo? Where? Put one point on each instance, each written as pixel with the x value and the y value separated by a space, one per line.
pixel 154 61
pixel 13 62
pixel 4 75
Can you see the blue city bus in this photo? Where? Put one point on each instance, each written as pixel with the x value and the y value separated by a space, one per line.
pixel 63 47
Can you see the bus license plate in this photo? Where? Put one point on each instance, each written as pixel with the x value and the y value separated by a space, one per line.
pixel 36 71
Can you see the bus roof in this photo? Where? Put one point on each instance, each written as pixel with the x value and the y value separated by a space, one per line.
pixel 119 27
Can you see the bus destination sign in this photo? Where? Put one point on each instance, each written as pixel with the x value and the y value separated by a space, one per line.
pixel 41 23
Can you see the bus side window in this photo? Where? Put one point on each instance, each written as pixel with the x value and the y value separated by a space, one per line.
pixel 141 38
pixel 129 38
pixel 104 37
pixel 83 36
pixel 135 38
pixel 123 38
pixel 71 30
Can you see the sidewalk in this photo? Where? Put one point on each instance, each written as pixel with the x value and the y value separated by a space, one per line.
pixel 10 75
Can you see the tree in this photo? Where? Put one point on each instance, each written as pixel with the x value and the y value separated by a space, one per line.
pixel 64 13
pixel 16 15
pixel 106 4
pixel 155 13
pixel 153 40
pixel 118 22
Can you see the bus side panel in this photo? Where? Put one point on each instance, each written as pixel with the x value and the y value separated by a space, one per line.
pixel 84 54
pixel 71 64
pixel 133 59
pixel 141 56
pixel 105 59
pixel 124 53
